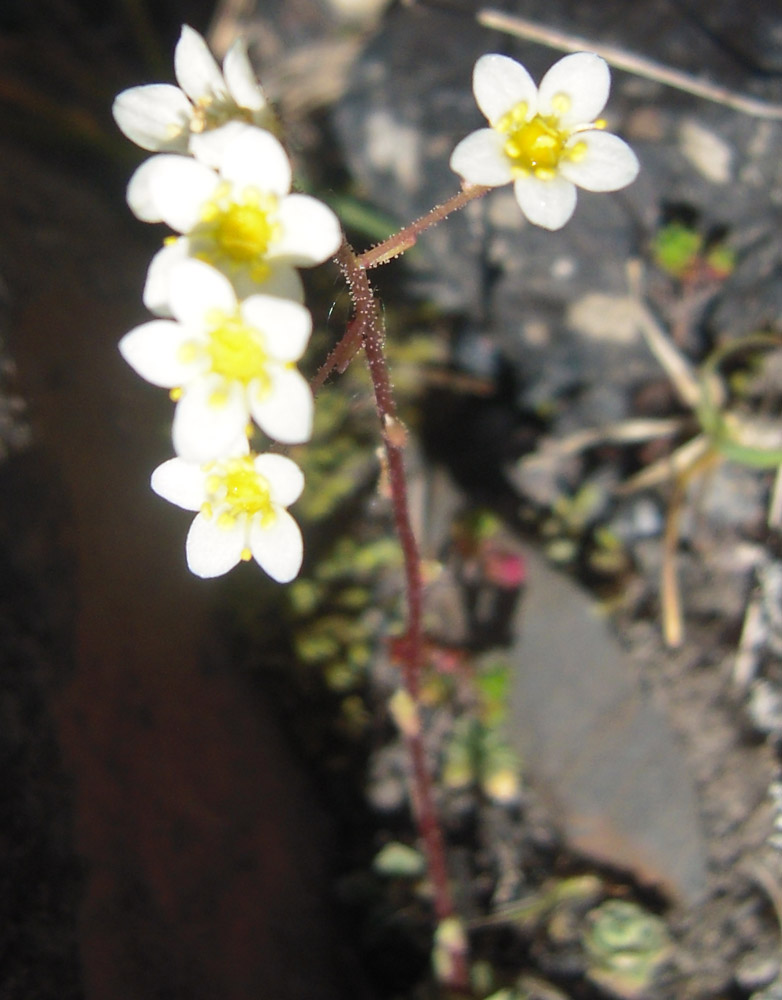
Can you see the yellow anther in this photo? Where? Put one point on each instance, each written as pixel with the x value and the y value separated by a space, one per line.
pixel 561 104
pixel 535 147
pixel 237 351
pixel 188 352
pixel 240 490
pixel 219 398
pixel 577 152
pixel 237 229
pixel 514 118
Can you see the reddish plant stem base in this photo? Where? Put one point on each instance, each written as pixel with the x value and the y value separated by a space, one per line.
pixel 366 328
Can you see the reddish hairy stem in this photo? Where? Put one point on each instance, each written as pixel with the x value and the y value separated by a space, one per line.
pixel 344 352
pixel 367 326
pixel 408 237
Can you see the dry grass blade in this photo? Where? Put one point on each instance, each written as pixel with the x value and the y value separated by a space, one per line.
pixel 512 24
pixel 671 466
pixel 670 596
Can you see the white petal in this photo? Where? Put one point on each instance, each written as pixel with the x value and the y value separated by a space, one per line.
pixel 283 282
pixel 140 193
pixel 499 84
pixel 210 417
pixel 155 117
pixel 153 351
pixel 181 483
pixel 286 325
pixel 213 549
pixel 157 291
pixel 285 478
pixel 310 232
pixel 284 412
pixel 254 158
pixel 608 164
pixel 278 547
pixel 582 82
pixel 480 159
pixel 546 203
pixel 196 289
pixel 195 67
pixel 180 186
pixel 240 78
pixel 209 147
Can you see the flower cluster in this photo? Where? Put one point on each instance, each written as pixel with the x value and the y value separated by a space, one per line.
pixel 546 140
pixel 230 324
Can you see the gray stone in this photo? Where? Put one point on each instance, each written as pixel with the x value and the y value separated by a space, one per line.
pixel 595 743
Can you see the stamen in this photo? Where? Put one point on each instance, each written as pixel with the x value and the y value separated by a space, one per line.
pixel 237 229
pixel 210 113
pixel 561 104
pixel 514 118
pixel 577 152
pixel 237 490
pixel 237 351
pixel 535 147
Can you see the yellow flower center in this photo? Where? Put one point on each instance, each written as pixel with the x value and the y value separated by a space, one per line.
pixel 234 489
pixel 236 230
pixel 537 146
pixel 237 351
pixel 209 114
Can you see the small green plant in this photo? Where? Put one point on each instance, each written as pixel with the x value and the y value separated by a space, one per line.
pixel 682 251
pixel 626 947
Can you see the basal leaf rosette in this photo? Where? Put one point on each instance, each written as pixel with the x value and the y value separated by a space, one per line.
pixel 227 362
pixel 242 514
pixel 164 118
pixel 239 217
pixel 544 140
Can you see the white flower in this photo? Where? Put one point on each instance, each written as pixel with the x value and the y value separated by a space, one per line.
pixel 240 217
pixel 227 361
pixel 545 140
pixel 171 119
pixel 241 503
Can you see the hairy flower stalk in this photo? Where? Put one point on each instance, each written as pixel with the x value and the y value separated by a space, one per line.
pixel 369 322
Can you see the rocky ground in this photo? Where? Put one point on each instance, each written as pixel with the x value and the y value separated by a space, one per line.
pixel 184 812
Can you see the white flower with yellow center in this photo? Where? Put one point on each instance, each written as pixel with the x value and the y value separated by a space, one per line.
pixel 241 503
pixel 545 140
pixel 227 361
pixel 170 119
pixel 239 217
